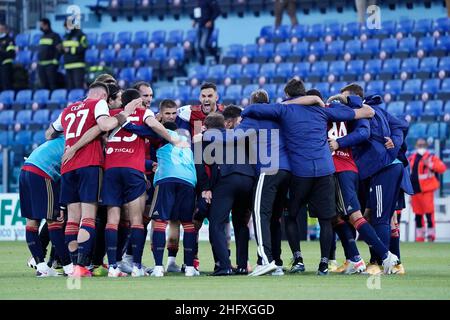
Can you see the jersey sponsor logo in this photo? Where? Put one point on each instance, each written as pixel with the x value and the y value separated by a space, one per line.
pixel 123 150
pixel 109 150
pixel 342 153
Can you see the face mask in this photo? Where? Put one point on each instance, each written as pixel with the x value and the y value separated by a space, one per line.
pixel 421 151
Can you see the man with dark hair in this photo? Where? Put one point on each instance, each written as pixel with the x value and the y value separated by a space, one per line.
pixel 74 46
pixel 7 56
pixel 204 15
pixel 259 96
pixel 310 158
pixel 232 116
pixel 146 92
pixel 106 78
pixel 49 52
pixel 314 92
pixel 353 89
pixel 294 88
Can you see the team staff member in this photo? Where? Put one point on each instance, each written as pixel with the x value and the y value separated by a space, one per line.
pixel 49 51
pixel 303 128
pixel 424 168
pixel 7 55
pixel 74 46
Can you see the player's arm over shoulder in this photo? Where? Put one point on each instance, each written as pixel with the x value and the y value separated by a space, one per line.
pixel 55 129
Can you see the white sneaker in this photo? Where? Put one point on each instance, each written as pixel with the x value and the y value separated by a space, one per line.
pixel 137 272
pixel 68 269
pixel 125 266
pixel 158 271
pixel 43 271
pixel 389 263
pixel 191 272
pixel 149 270
pixel 173 267
pixel 278 272
pixel 263 269
pixel 355 267
pixel 31 263
pixel 116 272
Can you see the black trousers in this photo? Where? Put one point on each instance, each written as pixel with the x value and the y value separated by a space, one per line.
pixel 75 78
pixel 47 76
pixel 231 193
pixel 6 76
pixel 269 200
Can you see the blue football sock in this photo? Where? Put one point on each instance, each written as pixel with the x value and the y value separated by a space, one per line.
pixel 344 232
pixel 85 247
pixel 137 239
pixel 159 241
pixel 111 239
pixel 34 244
pixel 70 237
pixel 370 236
pixel 123 235
pixel 189 240
pixel 56 235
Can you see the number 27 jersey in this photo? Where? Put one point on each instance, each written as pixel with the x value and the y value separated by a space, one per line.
pixel 75 120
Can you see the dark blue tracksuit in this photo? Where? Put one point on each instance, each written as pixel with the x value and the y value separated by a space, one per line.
pixel 206 10
pixel 232 192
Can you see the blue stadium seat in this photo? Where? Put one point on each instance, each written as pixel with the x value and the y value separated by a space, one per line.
pixel 158 37
pixel 373 66
pixel 337 68
pixel 7 118
pixel 315 31
pixel 442 46
pixel 427 65
pixel 124 38
pixel 371 47
pixel 336 87
pixel 175 37
pixel 92 39
pixel 142 54
pixel 39 137
pixel 198 72
pixel 165 92
pixel 391 67
pixel 124 57
pixel 334 49
pixel 355 69
pixel 250 71
pixel 431 86
pixel 144 74
pixel 426 44
pixel 447 107
pixel 190 36
pixel 351 30
pixel 388 26
pixel 283 49
pixel 158 56
pixel 23 57
pixel 417 130
pixel 444 91
pixel 221 90
pixel 268 70
pixel 23 97
pixel 444 64
pixel 7 97
pixel 396 108
pixel 299 50
pixel 265 52
pixel 58 98
pixel 410 65
pixel 353 47
pixel 92 56
pixel 267 32
pixel 41 116
pixel 177 53
pixel 41 96
pixel 414 108
pixel 271 90
pixel 442 25
pixel 433 130
pixel 281 33
pixel 234 72
pixel 216 73
pixel 75 95
pixel 108 56
pixel 6 137
pixel 433 108
pixel 302 69
pixel 406 46
pixel 422 27
pixel 375 87
pixel 24 117
pixel 298 31
pixel 405 26
pixel 23 138
pixel 233 93
pixel 324 88
pixel 248 89
pixel 389 45
pixel 35 38
pixel 232 53
pixel 127 75
pixel 333 29
pixel 141 38
pixel 250 50
pixel 106 39
pixel 318 70
pixel 283 72
pixel 394 87
pixel 317 48
pixel 411 89
pixel 22 40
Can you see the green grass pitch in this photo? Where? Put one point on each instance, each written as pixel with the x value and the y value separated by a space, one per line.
pixel 427 267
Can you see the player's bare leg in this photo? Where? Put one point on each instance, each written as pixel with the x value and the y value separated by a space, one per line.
pixel 172 246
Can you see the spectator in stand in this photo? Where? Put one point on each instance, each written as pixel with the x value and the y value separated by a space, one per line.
pixel 75 45
pixel 280 6
pixel 7 55
pixel 49 52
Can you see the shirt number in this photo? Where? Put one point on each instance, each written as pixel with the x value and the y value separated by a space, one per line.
pixel 113 138
pixel 71 117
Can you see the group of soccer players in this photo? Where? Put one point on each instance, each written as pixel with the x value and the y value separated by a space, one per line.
pixel 111 170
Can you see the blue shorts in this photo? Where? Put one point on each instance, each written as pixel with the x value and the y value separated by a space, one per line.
pixel 122 185
pixel 384 192
pixel 39 196
pixel 347 192
pixel 81 185
pixel 173 201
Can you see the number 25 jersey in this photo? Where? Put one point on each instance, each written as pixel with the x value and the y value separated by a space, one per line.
pixel 75 120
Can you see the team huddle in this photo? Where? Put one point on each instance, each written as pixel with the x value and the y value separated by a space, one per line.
pixel 112 170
